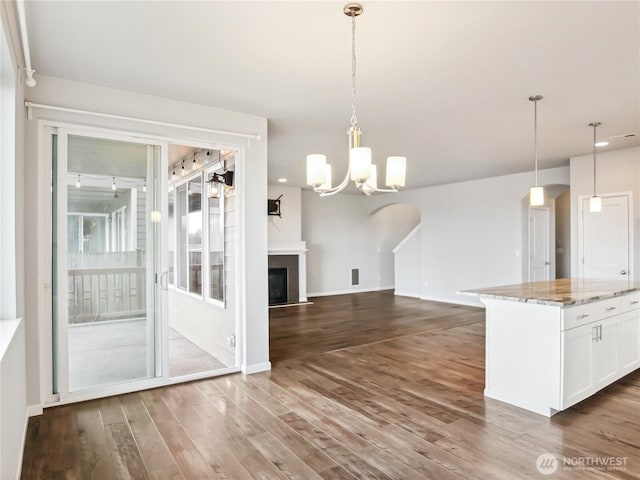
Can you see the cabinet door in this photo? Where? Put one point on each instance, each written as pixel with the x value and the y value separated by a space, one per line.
pixel 605 352
pixel 577 376
pixel 629 342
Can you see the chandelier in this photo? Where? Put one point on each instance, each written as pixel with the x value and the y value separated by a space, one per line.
pixel 360 169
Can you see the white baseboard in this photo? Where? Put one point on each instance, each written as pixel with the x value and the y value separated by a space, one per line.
pixel 34 410
pixel 407 294
pixel 453 301
pixel 256 368
pixel 352 290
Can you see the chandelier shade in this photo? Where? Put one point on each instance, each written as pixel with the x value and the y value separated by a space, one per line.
pixel 316 169
pixel 396 171
pixel 360 160
pixel 361 169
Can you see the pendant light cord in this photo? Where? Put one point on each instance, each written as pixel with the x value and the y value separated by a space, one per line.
pixel 594 157
pixel 354 117
pixel 535 139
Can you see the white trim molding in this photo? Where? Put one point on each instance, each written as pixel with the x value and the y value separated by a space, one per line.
pixel 353 290
pixel 256 368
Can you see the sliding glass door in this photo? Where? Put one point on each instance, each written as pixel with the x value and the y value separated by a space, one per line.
pixel 106 263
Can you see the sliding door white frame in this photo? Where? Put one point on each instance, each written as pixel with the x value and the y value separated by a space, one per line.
pixel 45 130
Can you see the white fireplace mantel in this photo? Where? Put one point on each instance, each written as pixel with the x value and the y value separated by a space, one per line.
pixel 287 248
pixel 299 249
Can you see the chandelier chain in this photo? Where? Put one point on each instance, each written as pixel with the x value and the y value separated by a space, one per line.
pixel 354 116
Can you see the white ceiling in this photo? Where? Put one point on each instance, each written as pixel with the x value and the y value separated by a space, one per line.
pixel 444 83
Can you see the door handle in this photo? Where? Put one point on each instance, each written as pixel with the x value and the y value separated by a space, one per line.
pixel 609 309
pixel 594 334
pixel 599 332
pixel 623 272
pixel 547 263
pixel 164 283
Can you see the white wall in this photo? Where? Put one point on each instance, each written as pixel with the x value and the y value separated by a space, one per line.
pixel 13 397
pixel 617 171
pixel 202 323
pixel 287 228
pixel 251 173
pixel 13 361
pixel 349 231
pixel 471 234
pixel 406 255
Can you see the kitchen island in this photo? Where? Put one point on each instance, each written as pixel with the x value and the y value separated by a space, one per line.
pixel 552 344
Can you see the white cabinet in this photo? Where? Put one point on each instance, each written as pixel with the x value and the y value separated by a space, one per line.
pixel 578 373
pixel 629 345
pixel 605 352
pixel 545 358
pixel 590 358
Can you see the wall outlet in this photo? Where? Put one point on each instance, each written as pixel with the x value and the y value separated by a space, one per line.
pixel 231 340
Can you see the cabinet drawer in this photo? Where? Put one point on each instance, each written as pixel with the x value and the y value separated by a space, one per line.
pixel 629 302
pixel 590 312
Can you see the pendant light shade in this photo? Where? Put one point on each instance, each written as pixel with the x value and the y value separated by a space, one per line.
pixel 595 202
pixel 536 196
pixel 536 193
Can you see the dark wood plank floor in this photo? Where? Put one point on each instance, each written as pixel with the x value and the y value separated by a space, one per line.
pixel 410 407
pixel 343 321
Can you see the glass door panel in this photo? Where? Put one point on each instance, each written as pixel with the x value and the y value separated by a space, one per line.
pixel 107 261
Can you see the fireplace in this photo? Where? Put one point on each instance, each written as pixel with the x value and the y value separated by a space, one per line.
pixel 278 286
pixel 289 256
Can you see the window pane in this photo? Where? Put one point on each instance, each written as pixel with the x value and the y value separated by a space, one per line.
pixel 172 235
pixel 94 234
pixel 182 237
pixel 216 248
pixel 195 236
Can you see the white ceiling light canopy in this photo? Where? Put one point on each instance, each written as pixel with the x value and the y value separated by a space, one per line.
pixel 595 202
pixel 536 193
pixel 360 169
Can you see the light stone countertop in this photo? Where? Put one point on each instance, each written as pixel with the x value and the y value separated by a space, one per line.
pixel 563 292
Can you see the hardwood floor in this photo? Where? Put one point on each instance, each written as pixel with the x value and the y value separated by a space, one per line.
pixel 343 321
pixel 409 407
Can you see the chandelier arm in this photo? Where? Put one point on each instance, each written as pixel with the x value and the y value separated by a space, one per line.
pixel 339 188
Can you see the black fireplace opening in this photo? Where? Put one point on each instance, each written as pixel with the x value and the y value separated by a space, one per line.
pixel 278 288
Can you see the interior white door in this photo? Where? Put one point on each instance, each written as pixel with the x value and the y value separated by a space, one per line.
pixel 606 239
pixel 539 264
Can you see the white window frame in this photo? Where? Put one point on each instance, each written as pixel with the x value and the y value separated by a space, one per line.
pixel 204 174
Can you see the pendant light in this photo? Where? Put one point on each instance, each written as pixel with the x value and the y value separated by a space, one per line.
pixel 536 193
pixel 361 171
pixel 595 202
